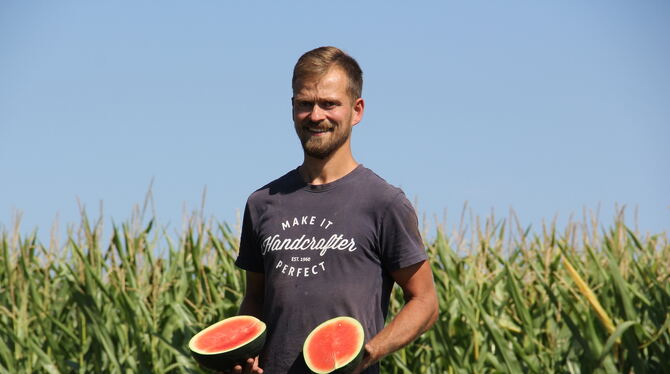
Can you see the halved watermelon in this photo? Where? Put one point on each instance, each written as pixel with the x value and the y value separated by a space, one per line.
pixel 228 342
pixel 335 346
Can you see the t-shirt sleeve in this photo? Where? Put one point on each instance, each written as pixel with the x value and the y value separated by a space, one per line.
pixel 400 240
pixel 249 257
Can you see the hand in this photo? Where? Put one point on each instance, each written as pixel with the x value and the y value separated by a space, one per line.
pixel 249 367
pixel 368 359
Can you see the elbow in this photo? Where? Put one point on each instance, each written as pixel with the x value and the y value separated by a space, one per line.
pixel 435 312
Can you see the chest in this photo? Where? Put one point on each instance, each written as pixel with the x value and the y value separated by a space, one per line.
pixel 313 236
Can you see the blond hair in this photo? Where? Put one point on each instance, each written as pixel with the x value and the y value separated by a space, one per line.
pixel 319 61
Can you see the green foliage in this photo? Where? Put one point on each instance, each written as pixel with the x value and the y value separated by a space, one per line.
pixel 508 304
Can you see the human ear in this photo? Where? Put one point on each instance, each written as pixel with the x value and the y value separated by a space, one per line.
pixel 359 108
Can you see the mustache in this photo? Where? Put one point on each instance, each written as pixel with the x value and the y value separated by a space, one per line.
pixel 323 125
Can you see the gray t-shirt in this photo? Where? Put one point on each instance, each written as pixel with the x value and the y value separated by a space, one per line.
pixel 326 251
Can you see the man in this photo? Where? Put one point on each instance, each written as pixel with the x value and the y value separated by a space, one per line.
pixel 331 237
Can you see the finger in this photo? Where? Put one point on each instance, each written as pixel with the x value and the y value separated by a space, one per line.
pixel 257 370
pixel 249 366
pixel 237 369
pixel 255 366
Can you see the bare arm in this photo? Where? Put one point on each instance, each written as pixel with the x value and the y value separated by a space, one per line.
pixel 252 305
pixel 417 315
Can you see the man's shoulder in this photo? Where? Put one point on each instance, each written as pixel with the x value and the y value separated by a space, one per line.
pixel 285 184
pixel 363 180
pixel 377 188
pixel 377 191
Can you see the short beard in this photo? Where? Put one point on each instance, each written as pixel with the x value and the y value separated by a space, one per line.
pixel 322 151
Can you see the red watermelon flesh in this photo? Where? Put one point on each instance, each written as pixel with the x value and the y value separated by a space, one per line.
pixel 229 342
pixel 334 344
pixel 227 335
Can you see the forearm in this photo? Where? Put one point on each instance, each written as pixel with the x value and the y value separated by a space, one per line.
pixel 416 317
pixel 252 303
pixel 251 307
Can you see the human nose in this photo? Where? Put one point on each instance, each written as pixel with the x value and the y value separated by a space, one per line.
pixel 317 114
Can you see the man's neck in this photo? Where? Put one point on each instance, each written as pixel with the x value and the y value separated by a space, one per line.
pixel 321 171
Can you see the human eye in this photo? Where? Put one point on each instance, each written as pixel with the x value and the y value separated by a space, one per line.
pixel 303 104
pixel 329 104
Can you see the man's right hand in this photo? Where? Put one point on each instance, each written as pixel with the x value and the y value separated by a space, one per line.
pixel 252 305
pixel 249 367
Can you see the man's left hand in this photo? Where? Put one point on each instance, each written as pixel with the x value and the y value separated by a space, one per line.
pixel 368 359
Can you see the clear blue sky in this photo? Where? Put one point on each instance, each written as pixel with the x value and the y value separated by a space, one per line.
pixel 543 107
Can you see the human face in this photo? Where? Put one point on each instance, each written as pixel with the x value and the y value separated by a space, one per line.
pixel 324 113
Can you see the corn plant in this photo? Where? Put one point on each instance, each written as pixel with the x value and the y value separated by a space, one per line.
pixel 576 302
pixel 584 300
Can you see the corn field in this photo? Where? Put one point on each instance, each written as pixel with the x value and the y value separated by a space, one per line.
pixel 588 299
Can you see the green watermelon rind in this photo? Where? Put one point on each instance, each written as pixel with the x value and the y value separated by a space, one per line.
pixel 225 360
pixel 349 366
